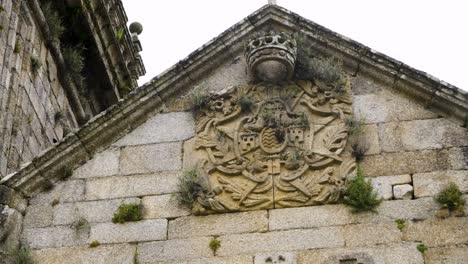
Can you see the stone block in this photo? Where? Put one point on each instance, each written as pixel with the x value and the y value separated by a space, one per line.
pixel 406 162
pixel 390 138
pixel 12 198
pixel 145 230
pixel 168 127
pixel 362 85
pixel 95 211
pixel 121 253
pixel 432 134
pixel 151 158
pixel 308 217
pixel 383 184
pixel 220 224
pixel 458 158
pixel 430 184
pixel 362 235
pixel 53 237
pixel 174 250
pixel 10 227
pixel 38 216
pixel 438 232
pixel 403 191
pixel 369 139
pixel 105 163
pixel 445 255
pixel 191 156
pixel 67 191
pixel 387 107
pixel 290 240
pixel 394 253
pixel 130 186
pixel 276 257
pixel 162 206
pixel 217 260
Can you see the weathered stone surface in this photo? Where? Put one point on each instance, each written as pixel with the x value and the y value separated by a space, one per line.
pixel 335 215
pixel 12 198
pixel 174 250
pixel 431 134
pixel 10 228
pixel 396 253
pixel 161 128
pixel 445 255
pixel 68 191
pixel 52 237
pixel 220 224
pixel 145 230
pixel 371 234
pixel 458 158
pixel 216 260
pixel 437 232
pixel 128 186
pixel 362 85
pixel 282 257
pixel 387 107
pixel 281 241
pixel 121 253
pixel 38 216
pixel 191 156
pixel 162 206
pixel 403 191
pixel 96 211
pixel 105 163
pixel 406 162
pixel 390 138
pixel 383 184
pixel 151 158
pixel 429 184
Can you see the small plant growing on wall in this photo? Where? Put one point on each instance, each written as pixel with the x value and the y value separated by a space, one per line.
pixel 94 244
pixel 401 223
pixel 36 64
pixel 74 60
pixel 54 21
pixel 17 48
pixel 214 245
pixel 119 34
pixel 1 27
pixel 21 255
pixel 451 199
pixel 246 103
pixel 421 248
pixel 199 99
pixel 80 224
pixel 360 195
pixel 127 213
pixel 188 186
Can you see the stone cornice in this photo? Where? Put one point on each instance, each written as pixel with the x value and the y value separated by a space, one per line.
pixel 128 113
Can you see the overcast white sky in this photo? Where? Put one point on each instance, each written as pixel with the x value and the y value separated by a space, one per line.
pixel 428 35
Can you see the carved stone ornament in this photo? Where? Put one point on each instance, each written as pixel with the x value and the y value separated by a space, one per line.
pixel 283 150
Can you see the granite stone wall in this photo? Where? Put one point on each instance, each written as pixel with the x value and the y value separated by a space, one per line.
pixel 412 154
pixel 34 110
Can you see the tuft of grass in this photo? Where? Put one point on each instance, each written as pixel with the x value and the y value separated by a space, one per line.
pixel 54 21
pixel 401 223
pixel 1 27
pixel 355 125
pixel 80 224
pixel 36 64
pixel 94 244
pixel 200 99
pixel 246 103
pixel 48 185
pixel 21 255
pixel 2 9
pixel 58 116
pixel 359 147
pixel 127 213
pixel 65 173
pixel 450 198
pixel 214 245
pixel 188 185
pixel 360 195
pixel 119 34
pixel 74 61
pixel 421 248
pixel 17 48
pixel 55 202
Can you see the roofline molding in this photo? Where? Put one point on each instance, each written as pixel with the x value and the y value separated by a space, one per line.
pixel 103 129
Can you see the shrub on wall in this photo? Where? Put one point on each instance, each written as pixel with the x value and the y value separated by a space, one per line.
pixel 451 198
pixel 360 194
pixel 127 213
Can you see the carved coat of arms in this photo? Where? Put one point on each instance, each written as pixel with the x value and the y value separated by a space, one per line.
pixel 273 145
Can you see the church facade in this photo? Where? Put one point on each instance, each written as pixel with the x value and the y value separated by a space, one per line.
pixel 279 141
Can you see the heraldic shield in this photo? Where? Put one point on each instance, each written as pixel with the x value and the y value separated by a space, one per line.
pixel 272 146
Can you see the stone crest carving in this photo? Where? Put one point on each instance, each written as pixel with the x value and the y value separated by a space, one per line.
pixel 273 145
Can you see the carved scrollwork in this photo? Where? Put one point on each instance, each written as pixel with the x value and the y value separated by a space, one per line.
pixel 285 150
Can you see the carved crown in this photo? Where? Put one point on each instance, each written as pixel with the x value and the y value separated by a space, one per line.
pixel 271 57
